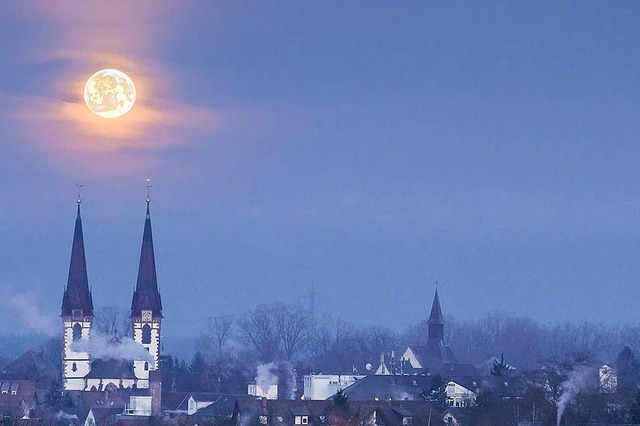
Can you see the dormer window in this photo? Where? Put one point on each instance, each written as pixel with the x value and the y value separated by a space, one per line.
pixel 301 420
pixel 264 420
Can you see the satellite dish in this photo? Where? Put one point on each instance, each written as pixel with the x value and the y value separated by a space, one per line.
pixel 368 367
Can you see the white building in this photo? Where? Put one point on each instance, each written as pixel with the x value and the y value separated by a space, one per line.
pixel 323 386
pixel 459 396
pixel 81 371
pixel 269 391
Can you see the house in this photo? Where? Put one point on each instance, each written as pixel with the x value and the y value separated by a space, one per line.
pixel 298 412
pixel 220 409
pixel 388 388
pixel 323 386
pixel 269 391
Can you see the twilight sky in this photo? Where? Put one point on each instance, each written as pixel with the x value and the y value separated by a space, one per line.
pixel 372 147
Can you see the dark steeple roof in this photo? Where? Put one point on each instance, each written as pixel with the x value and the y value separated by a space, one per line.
pixel 436 316
pixel 77 294
pixel 146 295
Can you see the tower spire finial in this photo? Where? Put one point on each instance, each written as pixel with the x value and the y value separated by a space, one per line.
pixel 148 186
pixel 79 199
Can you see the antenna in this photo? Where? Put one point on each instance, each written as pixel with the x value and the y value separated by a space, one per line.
pixel 312 303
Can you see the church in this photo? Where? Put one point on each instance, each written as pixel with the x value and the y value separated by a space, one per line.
pixel 81 371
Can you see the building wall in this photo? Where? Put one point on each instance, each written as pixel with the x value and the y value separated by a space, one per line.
pixel 139 370
pixel 74 380
pixel 323 386
pixel 459 396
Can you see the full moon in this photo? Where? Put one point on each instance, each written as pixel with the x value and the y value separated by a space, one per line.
pixel 109 93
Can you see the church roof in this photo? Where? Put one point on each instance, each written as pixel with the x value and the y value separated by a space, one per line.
pixel 77 294
pixel 146 295
pixel 111 369
pixel 436 316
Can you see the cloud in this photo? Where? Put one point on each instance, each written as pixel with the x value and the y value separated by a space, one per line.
pixel 81 39
pixel 26 306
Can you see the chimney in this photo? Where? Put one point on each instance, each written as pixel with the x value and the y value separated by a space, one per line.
pixel 155 391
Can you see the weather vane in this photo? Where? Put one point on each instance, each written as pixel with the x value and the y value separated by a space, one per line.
pixel 79 199
pixel 149 186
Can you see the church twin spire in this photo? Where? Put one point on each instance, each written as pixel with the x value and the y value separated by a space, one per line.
pixel 77 299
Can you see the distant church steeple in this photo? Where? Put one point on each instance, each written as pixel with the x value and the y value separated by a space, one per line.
pixel 436 321
pixel 77 296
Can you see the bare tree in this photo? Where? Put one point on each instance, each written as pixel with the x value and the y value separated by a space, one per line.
pixel 293 326
pixel 259 328
pixel 112 321
pixel 214 337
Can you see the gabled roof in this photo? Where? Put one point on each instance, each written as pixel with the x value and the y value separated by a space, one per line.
pixel 283 412
pixel 30 365
pixel 433 356
pixel 146 295
pixel 222 406
pixel 385 388
pixel 77 294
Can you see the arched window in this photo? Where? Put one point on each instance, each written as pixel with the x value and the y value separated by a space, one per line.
pixel 146 366
pixel 146 334
pixel 77 331
pixel 74 367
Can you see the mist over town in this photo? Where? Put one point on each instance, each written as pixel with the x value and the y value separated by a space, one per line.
pixel 332 213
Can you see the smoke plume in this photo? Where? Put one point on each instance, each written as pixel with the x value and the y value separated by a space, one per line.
pixel 266 376
pixel 577 381
pixel 100 346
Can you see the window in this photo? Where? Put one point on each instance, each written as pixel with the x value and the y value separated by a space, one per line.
pixel 305 420
pixel 298 420
pixel 77 332
pixel 146 334
pixel 263 420
pixel 407 420
pixel 74 367
pixel 146 366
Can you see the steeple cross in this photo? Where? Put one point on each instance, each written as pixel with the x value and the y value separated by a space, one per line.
pixel 148 186
pixel 79 199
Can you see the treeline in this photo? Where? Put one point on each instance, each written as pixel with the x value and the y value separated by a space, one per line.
pixel 230 347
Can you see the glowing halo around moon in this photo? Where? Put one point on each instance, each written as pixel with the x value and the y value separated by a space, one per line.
pixel 109 93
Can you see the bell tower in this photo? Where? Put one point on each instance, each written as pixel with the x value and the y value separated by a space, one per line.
pixel 77 315
pixel 146 306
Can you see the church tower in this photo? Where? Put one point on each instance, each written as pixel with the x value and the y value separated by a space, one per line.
pixel 146 307
pixel 77 315
pixel 436 323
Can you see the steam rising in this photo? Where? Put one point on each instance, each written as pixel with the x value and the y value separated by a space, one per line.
pixel 282 374
pixel 100 346
pixel 577 381
pixel 266 376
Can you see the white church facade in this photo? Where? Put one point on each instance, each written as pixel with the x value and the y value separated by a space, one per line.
pixel 80 370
